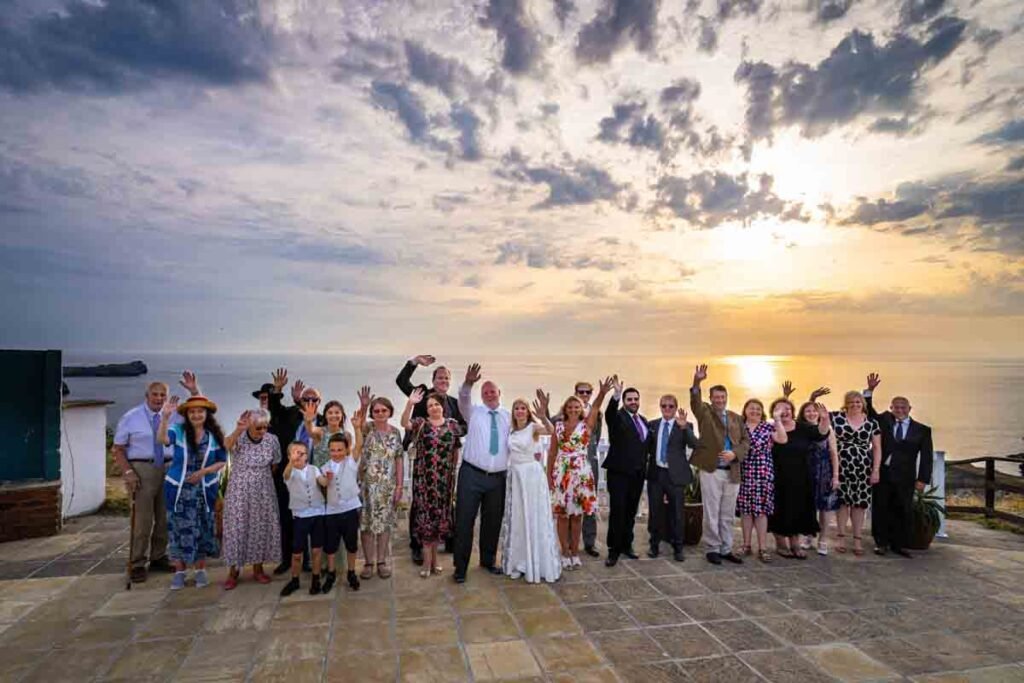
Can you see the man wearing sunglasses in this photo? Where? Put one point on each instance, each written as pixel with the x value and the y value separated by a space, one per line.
pixel 668 474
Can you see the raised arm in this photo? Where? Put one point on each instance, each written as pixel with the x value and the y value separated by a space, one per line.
pixel 165 420
pixel 277 409
pixel 466 391
pixel 309 419
pixel 231 440
pixel 688 436
pixel 404 379
pixel 611 415
pixel 595 405
pixel 873 381
pixel 824 420
pixel 700 373
pixel 190 381
pixel 779 436
pixel 541 410
pixel 415 396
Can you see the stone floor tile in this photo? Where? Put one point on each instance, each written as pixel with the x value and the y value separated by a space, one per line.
pixel 785 666
pixel 659 612
pixel 80 664
pixel 678 586
pixel 304 671
pixel 37 635
pixel 468 602
pixel 523 597
pixel 497 661
pixel 797 629
pixel 724 581
pixel 706 608
pixel 726 669
pixel 34 590
pixel 1008 673
pixel 900 655
pixel 664 672
pixel 222 655
pixel 488 627
pixel 800 599
pixel 104 630
pixel 436 666
pixel 582 593
pixel 547 622
pixel 1002 642
pixel 685 642
pixel 743 635
pixel 756 604
pixel 364 608
pixel 847 663
pixel 155 660
pixel 11 611
pixel 367 637
pixel 416 633
pixel 849 626
pixel 609 617
pixel 377 669
pixel 132 602
pixel 625 648
pixel 253 617
pixel 566 653
pixel 423 605
pixel 294 644
pixel 167 623
pixel 630 589
pixel 195 598
pixel 953 652
pixel 299 614
pixel 602 675
pixel 649 568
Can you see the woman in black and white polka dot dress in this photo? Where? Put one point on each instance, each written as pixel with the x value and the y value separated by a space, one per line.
pixel 860 458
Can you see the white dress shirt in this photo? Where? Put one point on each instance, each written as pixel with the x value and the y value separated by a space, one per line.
pixel 343 490
pixel 476 446
pixel 135 432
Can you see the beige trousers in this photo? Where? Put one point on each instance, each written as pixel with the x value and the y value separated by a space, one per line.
pixel 719 497
pixel 150 538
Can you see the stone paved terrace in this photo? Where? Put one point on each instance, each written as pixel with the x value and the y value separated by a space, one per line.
pixel 955 613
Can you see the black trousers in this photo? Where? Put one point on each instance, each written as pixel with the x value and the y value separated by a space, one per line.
pixel 590 521
pixel 477 491
pixel 665 521
pixel 891 505
pixel 624 491
pixel 284 515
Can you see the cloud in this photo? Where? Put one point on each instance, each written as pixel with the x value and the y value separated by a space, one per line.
pixel 1015 164
pixel 917 11
pixel 124 45
pixel 397 98
pixel 829 10
pixel 574 182
pixel 1011 132
pixel 430 68
pixel 564 8
pixel 884 211
pixel 592 289
pixel 629 124
pixel 468 125
pixel 616 23
pixel 711 198
pixel 543 251
pixel 521 47
pixel 860 76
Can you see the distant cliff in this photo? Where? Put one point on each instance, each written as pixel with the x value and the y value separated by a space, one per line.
pixel 133 369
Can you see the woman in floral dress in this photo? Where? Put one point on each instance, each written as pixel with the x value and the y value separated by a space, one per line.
pixel 756 499
pixel 572 482
pixel 380 475
pixel 437 440
pixel 860 460
pixel 252 533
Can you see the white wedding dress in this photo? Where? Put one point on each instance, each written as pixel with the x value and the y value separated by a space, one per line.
pixel 530 545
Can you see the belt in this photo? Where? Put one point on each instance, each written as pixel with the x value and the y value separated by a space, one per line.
pixel 483 471
pixel 149 460
pixel 723 467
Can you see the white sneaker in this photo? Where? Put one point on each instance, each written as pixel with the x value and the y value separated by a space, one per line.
pixel 515 575
pixel 566 562
pixel 823 549
pixel 576 562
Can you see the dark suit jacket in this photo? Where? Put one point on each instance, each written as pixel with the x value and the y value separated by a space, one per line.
pixel 451 408
pixel 627 453
pixel 918 441
pixel 678 440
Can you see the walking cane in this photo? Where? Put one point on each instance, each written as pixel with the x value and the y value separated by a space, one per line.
pixel 131 545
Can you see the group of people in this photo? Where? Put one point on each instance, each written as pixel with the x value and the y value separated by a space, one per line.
pixel 299 485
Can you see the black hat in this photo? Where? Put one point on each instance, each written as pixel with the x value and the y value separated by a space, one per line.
pixel 267 388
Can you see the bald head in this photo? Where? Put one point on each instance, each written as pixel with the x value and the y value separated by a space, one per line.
pixel 491 394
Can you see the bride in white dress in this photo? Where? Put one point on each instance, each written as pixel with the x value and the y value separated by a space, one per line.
pixel 530 546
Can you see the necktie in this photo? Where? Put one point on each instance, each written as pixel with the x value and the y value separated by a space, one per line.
pixel 494 431
pixel 901 430
pixel 725 423
pixel 663 451
pixel 639 428
pixel 158 449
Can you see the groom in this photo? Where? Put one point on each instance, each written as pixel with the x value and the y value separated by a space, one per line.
pixel 626 462
pixel 481 485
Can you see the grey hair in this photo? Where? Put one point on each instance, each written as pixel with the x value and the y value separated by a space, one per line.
pixel 259 416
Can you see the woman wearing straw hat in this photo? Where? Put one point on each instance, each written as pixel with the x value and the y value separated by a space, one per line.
pixel 191 485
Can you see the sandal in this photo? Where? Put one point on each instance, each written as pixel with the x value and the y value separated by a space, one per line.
pixel 367 572
pixel 764 555
pixel 799 554
pixel 785 552
pixel 424 573
pixel 857 551
pixel 383 570
pixel 436 569
pixel 745 550
pixel 841 545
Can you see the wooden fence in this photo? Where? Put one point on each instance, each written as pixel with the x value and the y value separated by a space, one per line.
pixel 993 484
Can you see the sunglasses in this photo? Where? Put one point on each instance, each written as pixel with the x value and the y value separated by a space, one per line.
pixel 668 405
pixel 588 392
pixel 310 399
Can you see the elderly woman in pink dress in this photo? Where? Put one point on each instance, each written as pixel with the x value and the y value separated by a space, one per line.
pixel 252 534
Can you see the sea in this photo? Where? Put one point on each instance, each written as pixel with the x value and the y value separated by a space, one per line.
pixel 973 406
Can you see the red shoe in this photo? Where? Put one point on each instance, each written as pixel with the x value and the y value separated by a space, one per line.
pixel 261 578
pixel 230 583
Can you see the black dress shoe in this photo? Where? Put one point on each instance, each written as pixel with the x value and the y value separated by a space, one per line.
pixel 653 551
pixel 732 558
pixel 613 559
pixel 678 556
pixel 417 556
pixel 589 550
pixel 281 568
pixel 714 558
pixel 138 575
pixel 161 565
pixel 880 551
pixel 628 552
pixel 903 552
pixel 459 578
pixel 492 569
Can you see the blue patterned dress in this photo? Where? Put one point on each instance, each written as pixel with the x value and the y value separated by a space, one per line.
pixel 190 520
pixel 757 474
pixel 825 498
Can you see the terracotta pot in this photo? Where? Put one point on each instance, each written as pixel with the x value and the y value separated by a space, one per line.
pixel 693 523
pixel 921 533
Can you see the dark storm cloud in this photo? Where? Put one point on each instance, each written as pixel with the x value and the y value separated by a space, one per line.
pixel 616 23
pixel 859 76
pixel 710 198
pixel 521 46
pixel 124 45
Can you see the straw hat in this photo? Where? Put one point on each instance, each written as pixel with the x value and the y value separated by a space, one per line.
pixel 197 402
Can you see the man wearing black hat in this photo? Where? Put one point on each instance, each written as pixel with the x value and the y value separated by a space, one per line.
pixel 263 395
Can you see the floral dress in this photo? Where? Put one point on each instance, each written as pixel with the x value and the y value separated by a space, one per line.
pixel 757 474
pixel 252 532
pixel 322 450
pixel 377 472
pixel 574 492
pixel 433 479
pixel 191 534
pixel 855 459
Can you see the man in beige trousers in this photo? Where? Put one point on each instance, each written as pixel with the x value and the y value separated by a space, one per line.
pixel 724 442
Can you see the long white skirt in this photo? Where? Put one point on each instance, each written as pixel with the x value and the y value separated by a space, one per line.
pixel 530 545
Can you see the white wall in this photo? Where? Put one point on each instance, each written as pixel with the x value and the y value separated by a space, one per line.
pixel 83 459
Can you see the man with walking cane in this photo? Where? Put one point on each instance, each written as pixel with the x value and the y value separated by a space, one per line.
pixel 141 460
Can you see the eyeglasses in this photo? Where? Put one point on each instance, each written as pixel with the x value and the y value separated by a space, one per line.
pixel 380 411
pixel 310 399
pixel 668 405
pixel 586 392
pixel 260 428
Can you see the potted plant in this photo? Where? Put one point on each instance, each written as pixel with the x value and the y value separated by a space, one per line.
pixel 693 510
pixel 926 517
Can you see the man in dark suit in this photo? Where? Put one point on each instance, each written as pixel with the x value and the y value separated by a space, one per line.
pixel 905 442
pixel 441 380
pixel 625 462
pixel 668 473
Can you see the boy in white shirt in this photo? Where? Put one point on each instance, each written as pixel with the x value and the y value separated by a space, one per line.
pixel 306 502
pixel 342 519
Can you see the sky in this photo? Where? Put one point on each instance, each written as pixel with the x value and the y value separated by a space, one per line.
pixel 521 176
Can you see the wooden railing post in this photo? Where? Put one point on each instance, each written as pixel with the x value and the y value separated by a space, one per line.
pixel 990 487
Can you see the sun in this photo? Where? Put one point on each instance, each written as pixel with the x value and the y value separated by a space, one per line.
pixel 756 373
